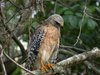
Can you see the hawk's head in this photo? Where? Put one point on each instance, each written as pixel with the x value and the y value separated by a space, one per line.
pixel 56 20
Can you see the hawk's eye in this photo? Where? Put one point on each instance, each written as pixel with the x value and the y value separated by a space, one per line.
pixel 57 23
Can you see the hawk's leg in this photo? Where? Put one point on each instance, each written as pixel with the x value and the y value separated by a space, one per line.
pixel 46 67
pixel 43 67
pixel 50 65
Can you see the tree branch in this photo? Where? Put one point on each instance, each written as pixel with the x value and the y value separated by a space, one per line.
pixel 11 34
pixel 82 20
pixel 71 47
pixel 90 66
pixel 95 52
pixel 17 63
pixel 2 62
pixel 87 63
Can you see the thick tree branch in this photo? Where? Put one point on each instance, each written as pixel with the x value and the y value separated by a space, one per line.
pixel 87 63
pixel 78 58
pixel 94 53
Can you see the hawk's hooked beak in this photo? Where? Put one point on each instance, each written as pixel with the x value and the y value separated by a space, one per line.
pixel 62 24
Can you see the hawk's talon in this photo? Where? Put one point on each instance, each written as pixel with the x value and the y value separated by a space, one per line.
pixel 49 65
pixel 44 68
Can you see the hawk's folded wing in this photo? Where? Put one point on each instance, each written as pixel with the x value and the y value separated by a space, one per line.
pixel 34 45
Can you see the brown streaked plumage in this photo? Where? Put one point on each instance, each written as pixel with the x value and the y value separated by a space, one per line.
pixel 44 43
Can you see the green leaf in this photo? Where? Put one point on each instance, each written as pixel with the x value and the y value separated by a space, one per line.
pixel 91 24
pixel 67 12
pixel 72 21
pixel 91 9
pixel 81 23
pixel 17 72
pixel 79 14
pixel 75 6
pixel 61 10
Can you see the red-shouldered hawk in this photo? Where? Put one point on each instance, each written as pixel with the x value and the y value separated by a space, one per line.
pixel 44 43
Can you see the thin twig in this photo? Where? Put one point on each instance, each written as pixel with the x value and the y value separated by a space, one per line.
pixel 71 47
pixel 91 16
pixel 17 64
pixel 12 35
pixel 78 37
pixel 11 17
pixel 14 4
pixel 90 66
pixel 2 63
pixel 3 66
pixel 55 7
pixel 42 8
